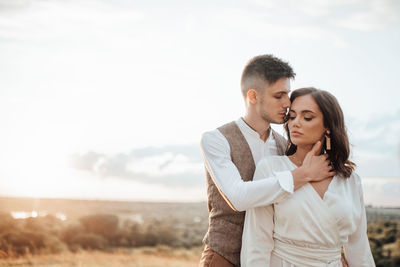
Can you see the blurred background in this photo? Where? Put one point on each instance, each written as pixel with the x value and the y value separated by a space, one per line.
pixel 107 100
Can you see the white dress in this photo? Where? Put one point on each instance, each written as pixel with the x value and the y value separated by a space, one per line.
pixel 305 229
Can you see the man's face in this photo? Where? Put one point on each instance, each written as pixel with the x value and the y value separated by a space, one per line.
pixel 274 101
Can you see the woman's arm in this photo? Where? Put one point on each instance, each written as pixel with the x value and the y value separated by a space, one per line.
pixel 357 250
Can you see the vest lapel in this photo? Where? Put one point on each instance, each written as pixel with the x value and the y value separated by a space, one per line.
pixel 281 142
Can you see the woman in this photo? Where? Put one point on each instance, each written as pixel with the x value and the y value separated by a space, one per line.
pixel 312 225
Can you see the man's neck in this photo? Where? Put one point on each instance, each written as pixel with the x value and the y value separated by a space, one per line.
pixel 259 125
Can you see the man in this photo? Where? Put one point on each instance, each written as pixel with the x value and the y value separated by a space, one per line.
pixel 232 151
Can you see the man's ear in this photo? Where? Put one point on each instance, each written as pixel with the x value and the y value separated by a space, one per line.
pixel 252 96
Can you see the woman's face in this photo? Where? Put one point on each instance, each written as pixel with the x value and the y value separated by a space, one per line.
pixel 306 122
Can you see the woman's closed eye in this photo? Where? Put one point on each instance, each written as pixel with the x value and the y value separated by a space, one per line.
pixel 305 118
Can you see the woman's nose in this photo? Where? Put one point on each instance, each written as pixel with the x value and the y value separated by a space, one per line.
pixel 296 122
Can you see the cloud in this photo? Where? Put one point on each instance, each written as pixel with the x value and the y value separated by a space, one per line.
pixel 66 21
pixel 105 24
pixel 169 165
pixel 272 23
pixel 359 15
pixel 319 9
pixel 376 143
pixel 380 191
pixel 375 147
pixel 371 15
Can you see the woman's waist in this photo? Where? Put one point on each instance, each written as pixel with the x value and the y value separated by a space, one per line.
pixel 301 253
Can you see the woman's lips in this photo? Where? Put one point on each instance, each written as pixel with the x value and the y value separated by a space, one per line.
pixel 295 133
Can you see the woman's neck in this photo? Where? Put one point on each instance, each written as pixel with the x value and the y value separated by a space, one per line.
pixel 301 153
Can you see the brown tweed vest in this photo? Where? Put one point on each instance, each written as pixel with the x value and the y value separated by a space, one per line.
pixel 224 234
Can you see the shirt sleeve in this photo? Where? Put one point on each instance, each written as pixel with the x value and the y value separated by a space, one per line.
pixel 357 250
pixel 241 195
pixel 257 239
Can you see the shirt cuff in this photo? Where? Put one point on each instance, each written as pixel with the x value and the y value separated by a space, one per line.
pixel 285 180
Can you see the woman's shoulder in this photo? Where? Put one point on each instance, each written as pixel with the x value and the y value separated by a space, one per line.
pixel 354 181
pixel 273 163
pixel 267 165
pixel 272 159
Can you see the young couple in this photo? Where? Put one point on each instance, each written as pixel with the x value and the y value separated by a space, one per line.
pixel 303 201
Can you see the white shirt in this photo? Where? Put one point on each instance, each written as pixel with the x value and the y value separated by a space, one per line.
pixel 244 195
pixel 308 230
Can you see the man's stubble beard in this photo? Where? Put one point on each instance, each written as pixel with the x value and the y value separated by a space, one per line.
pixel 266 117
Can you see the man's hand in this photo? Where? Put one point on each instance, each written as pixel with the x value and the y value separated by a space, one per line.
pixel 315 167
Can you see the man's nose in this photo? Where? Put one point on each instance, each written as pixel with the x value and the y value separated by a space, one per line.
pixel 286 102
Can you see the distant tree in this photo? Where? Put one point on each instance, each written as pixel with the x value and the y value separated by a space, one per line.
pixel 71 231
pixel 101 224
pixel 21 242
pixel 89 241
pixel 7 222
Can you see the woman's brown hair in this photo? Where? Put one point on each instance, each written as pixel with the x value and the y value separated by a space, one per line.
pixel 334 121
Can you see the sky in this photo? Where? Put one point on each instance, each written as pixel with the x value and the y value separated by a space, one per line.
pixel 109 99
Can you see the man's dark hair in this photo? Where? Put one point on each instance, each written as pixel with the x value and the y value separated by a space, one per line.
pixel 263 71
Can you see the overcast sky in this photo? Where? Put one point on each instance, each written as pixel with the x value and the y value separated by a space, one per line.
pixel 108 99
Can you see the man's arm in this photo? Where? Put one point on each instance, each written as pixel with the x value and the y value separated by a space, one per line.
pixel 257 237
pixel 242 195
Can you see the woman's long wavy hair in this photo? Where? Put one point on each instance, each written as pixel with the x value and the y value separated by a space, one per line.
pixel 334 121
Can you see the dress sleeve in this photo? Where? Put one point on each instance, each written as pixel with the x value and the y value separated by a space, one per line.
pixel 257 239
pixel 357 250
pixel 241 195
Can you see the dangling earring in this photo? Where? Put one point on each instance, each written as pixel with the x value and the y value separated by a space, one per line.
pixel 328 140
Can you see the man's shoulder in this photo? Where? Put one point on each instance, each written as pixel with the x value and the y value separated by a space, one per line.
pixel 228 126
pixel 211 138
pixel 216 133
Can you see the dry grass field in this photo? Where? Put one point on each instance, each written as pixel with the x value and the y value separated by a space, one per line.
pixel 141 257
pixel 111 233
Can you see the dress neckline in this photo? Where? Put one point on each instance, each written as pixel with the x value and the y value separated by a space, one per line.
pixel 314 192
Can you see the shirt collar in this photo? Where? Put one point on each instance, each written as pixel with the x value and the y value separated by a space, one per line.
pixel 246 128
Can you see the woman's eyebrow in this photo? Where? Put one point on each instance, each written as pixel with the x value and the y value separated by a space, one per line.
pixel 303 111
pixel 307 111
